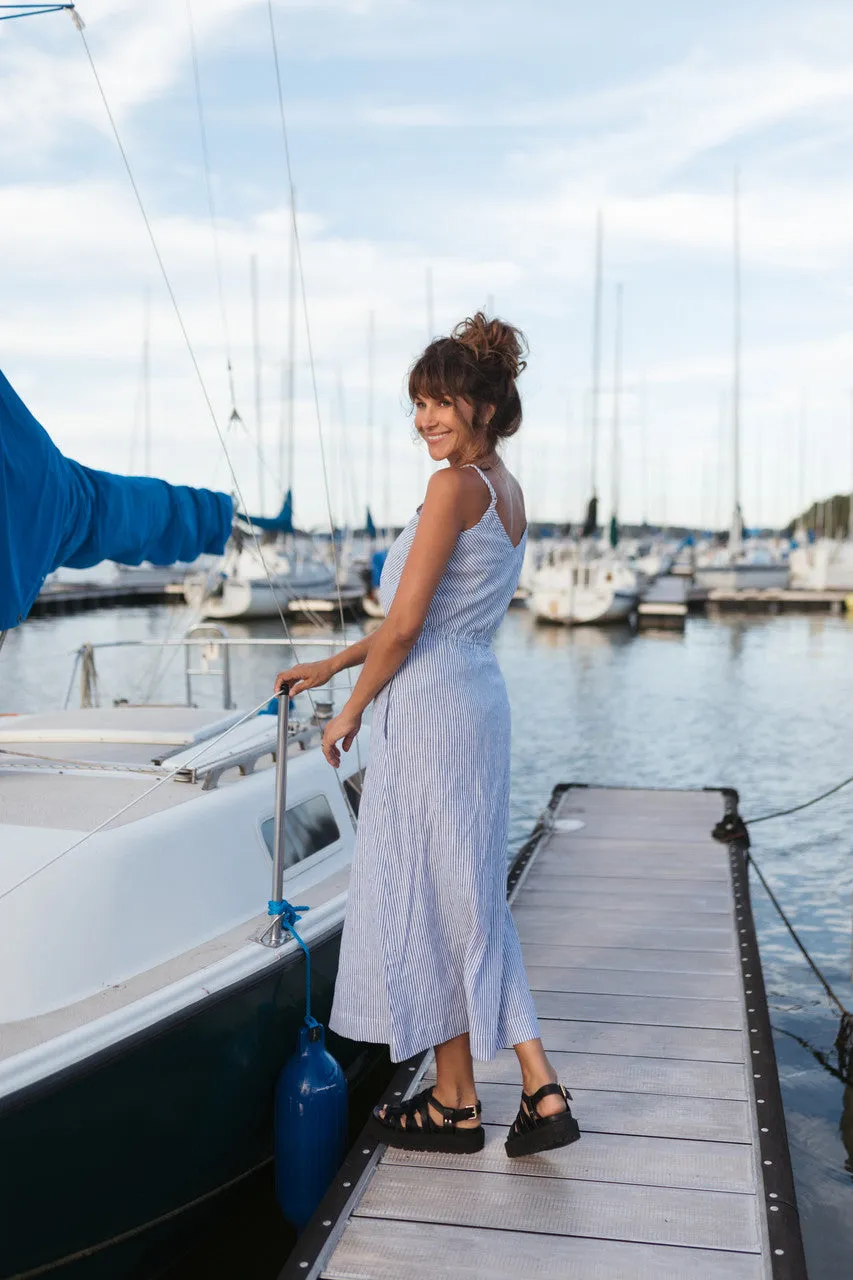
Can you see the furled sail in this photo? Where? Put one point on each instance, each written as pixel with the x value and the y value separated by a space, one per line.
pixel 282 523
pixel 57 512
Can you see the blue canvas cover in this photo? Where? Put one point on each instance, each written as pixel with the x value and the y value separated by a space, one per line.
pixel 282 523
pixel 57 512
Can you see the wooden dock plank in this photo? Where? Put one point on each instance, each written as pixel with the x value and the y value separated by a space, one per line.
pixel 534 924
pixel 570 954
pixel 513 1202
pixel 687 1043
pixel 651 877
pixel 627 982
pixel 421 1251
pixel 629 1074
pixel 608 1157
pixel 647 1115
pixel 711 908
pixel 656 1011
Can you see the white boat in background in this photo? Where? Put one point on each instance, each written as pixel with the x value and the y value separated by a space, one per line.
pixel 260 583
pixel 574 588
pixel 576 583
pixel 743 567
pixel 823 565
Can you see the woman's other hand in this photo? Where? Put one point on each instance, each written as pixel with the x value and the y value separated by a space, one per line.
pixel 344 726
pixel 305 675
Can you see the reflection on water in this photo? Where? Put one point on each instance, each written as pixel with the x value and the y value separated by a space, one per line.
pixel 758 703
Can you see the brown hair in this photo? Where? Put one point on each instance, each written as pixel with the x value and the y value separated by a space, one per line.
pixel 479 362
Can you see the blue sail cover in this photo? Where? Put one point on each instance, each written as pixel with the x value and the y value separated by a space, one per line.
pixel 282 523
pixel 57 512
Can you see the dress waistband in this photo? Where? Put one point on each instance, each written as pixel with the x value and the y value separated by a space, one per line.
pixel 453 637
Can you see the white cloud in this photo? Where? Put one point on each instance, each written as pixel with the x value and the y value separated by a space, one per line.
pixel 509 215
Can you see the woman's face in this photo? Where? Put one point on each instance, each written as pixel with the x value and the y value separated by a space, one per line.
pixel 446 427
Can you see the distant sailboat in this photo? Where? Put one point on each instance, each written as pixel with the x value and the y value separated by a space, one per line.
pixel 739 566
pixel 575 585
pixel 260 579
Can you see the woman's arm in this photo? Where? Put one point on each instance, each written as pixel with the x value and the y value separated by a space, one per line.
pixel 310 675
pixel 449 504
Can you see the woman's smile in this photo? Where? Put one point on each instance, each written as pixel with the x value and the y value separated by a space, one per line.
pixel 443 425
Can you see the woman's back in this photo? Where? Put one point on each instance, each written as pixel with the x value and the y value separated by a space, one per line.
pixel 481 576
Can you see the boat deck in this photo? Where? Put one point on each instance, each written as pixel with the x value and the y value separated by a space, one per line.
pixel 641 952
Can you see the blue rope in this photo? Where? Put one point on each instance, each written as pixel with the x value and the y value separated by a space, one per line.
pixel 290 917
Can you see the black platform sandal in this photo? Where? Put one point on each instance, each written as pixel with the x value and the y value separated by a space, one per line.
pixel 532 1133
pixel 410 1125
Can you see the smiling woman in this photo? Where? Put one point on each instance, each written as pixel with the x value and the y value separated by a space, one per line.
pixel 430 956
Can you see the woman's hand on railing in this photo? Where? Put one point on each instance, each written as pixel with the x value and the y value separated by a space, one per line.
pixel 305 675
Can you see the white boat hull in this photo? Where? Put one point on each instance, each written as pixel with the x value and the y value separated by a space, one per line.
pixel 743 577
pixel 257 599
pixel 583 606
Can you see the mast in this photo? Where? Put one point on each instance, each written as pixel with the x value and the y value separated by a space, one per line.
pixel 371 351
pixel 596 357
pixel 615 460
pixel 736 530
pixel 291 345
pixel 430 309
pixel 256 356
pixel 850 500
pixel 146 388
pixel 644 453
pixel 430 321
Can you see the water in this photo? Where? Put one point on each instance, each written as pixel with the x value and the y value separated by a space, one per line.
pixel 759 704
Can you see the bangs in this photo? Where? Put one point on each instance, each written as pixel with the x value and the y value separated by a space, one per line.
pixel 442 371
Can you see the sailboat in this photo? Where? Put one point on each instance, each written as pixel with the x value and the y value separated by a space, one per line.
pixel 739 566
pixel 142 1023
pixel 575 584
pixel 263 578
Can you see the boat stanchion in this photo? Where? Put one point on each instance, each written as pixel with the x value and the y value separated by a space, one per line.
pixel 274 936
pixel 311 1117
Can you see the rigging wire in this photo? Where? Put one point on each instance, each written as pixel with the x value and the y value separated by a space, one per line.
pixel 214 223
pixel 297 245
pixel 30 10
pixel 776 903
pixel 167 777
pixel 738 830
pixel 79 24
pixel 844 1039
pixel 797 808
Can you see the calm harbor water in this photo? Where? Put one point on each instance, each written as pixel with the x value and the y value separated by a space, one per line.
pixel 760 704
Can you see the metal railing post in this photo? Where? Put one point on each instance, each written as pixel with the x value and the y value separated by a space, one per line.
pixel 226 678
pixel 274 936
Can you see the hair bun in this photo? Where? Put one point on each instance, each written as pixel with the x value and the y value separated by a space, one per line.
pixel 493 340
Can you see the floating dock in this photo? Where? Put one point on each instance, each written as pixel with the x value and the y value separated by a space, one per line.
pixel 776 600
pixel 665 604
pixel 641 951
pixel 80 597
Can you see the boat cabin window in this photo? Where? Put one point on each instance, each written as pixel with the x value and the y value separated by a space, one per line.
pixel 310 827
pixel 353 787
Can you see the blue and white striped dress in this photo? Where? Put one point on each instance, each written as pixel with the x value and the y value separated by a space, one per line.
pixel 429 948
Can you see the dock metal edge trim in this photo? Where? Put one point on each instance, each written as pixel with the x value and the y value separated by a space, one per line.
pixel 787 1253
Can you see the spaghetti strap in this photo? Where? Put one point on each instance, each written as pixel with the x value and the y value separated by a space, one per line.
pixel 486 481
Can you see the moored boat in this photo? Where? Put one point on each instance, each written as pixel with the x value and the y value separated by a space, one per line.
pixel 575 590
pixel 142 1024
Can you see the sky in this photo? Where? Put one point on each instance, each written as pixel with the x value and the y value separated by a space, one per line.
pixel 470 145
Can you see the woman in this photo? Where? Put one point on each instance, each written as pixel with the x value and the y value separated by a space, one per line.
pixel 430 956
